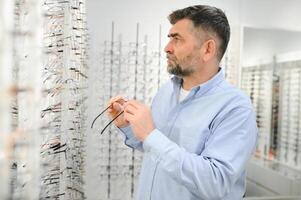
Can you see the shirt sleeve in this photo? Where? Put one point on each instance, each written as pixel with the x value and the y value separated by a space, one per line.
pixel 211 174
pixel 130 139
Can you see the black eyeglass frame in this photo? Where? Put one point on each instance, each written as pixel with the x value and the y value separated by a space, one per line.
pixel 103 130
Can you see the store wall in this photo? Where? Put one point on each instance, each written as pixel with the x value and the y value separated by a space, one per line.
pixel 256 13
pixel 277 14
pixel 260 45
pixel 149 14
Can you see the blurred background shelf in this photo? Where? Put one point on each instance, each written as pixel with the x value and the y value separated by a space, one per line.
pixel 268 178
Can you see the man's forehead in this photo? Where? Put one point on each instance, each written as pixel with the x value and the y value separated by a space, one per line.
pixel 181 27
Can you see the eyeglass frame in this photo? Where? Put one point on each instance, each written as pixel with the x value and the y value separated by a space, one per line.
pixel 109 122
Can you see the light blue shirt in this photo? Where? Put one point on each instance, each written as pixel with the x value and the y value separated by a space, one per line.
pixel 200 147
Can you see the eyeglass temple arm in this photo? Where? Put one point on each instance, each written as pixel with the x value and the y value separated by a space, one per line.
pixel 99 115
pixel 111 122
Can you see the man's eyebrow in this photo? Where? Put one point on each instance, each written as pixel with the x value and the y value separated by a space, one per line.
pixel 172 35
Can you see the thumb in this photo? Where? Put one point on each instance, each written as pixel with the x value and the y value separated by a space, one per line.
pixel 117 106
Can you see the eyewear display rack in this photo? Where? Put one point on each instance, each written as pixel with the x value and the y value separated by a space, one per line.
pixel 134 70
pixel 277 107
pixel 44 89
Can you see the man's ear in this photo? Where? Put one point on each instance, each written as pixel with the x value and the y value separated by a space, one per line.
pixel 209 50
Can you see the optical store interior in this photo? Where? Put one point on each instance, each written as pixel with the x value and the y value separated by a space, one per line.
pixel 61 61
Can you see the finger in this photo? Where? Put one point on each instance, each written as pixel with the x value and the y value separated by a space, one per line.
pixel 132 103
pixel 130 109
pixel 117 106
pixel 119 99
pixel 114 99
pixel 114 108
pixel 111 110
pixel 136 103
pixel 128 117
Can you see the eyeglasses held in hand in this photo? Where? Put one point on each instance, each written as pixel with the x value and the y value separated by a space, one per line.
pixel 109 122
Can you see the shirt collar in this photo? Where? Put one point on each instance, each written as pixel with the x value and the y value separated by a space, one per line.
pixel 204 87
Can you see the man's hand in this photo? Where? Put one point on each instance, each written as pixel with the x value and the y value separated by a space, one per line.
pixel 140 118
pixel 117 106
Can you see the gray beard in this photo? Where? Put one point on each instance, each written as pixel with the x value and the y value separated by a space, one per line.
pixel 178 71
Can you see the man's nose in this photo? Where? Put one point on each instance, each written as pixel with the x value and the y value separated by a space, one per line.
pixel 168 48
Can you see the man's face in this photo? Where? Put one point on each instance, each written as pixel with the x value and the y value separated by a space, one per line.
pixel 183 55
